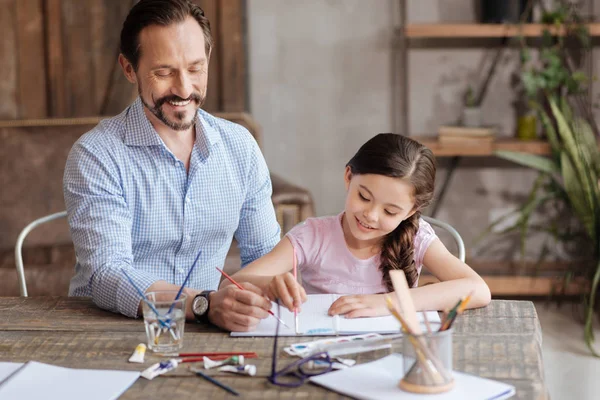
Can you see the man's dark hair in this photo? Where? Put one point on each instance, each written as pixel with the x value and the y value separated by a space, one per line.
pixel 163 13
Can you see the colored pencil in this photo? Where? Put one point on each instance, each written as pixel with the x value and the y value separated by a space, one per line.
pixel 247 354
pixel 230 279
pixel 296 279
pixel 215 382
pixel 461 309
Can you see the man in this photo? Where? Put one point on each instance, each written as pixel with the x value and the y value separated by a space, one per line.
pixel 150 189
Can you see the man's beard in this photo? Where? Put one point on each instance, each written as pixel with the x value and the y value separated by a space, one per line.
pixel 180 124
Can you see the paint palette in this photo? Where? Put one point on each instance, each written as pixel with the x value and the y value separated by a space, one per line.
pixel 339 345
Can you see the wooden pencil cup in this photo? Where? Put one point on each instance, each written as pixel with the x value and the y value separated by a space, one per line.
pixel 427 360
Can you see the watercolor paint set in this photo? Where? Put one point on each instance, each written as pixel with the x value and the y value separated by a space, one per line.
pixel 337 346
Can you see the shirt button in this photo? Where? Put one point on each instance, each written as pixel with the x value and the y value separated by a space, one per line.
pixel 188 237
pixel 180 270
pixel 187 200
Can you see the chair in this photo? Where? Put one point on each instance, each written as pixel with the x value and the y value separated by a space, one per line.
pixel 19 246
pixel 453 232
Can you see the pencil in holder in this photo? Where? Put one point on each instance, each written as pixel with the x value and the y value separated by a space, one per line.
pixel 427 360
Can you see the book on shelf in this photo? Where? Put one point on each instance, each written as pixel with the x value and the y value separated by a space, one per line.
pixel 466 131
pixel 466 140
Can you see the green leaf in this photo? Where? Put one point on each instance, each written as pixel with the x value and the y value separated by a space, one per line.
pixel 579 176
pixel 539 163
pixel 589 317
pixel 577 196
pixel 587 140
pixel 550 131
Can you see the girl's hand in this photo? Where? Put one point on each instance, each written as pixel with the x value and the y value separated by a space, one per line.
pixel 288 290
pixel 360 305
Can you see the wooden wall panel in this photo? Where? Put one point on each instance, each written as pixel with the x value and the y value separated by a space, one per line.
pixel 116 91
pixel 59 58
pixel 233 57
pixel 213 97
pixel 32 101
pixel 55 89
pixel 78 68
pixel 9 108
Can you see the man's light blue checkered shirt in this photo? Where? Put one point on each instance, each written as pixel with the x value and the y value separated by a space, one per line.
pixel 132 205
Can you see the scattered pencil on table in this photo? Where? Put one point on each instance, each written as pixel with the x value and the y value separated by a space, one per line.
pixel 230 279
pixel 214 381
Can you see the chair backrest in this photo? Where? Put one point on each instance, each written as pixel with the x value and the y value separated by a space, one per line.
pixel 19 246
pixel 453 232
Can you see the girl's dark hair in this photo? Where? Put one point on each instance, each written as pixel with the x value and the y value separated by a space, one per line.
pixel 397 156
pixel 159 12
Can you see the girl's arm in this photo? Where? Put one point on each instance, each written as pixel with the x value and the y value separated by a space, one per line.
pixel 457 280
pixel 271 273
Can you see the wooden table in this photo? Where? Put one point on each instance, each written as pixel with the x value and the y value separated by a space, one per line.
pixel 501 341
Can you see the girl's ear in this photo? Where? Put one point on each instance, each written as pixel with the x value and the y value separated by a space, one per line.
pixel 410 214
pixel 347 177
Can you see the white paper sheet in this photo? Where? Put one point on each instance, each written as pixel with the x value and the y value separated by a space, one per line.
pixel 35 380
pixel 314 321
pixel 7 368
pixel 379 380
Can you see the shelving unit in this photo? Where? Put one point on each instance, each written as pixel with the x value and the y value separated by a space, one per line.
pixel 415 34
pixel 429 31
pixel 538 147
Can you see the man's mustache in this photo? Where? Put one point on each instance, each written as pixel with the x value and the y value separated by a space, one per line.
pixel 174 98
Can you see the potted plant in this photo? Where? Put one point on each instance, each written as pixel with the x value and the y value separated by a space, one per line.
pixel 568 185
pixel 471 113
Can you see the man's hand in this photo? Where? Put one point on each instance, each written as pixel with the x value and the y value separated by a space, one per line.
pixel 361 305
pixel 238 310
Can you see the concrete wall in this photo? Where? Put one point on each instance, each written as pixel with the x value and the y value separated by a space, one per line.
pixel 320 75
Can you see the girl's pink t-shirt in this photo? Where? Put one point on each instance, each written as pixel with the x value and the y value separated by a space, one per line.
pixel 328 266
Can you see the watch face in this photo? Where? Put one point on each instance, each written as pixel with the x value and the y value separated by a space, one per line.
pixel 200 305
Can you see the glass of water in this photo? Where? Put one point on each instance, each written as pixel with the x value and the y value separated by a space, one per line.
pixel 164 319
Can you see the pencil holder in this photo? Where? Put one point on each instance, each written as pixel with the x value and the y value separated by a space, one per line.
pixel 427 360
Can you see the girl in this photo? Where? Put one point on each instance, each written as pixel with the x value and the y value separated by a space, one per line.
pixel 389 182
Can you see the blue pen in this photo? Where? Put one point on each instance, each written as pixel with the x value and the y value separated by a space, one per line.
pixel 183 285
pixel 160 321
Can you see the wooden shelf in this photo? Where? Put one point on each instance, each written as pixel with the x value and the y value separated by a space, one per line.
pixel 510 278
pixel 470 149
pixel 484 30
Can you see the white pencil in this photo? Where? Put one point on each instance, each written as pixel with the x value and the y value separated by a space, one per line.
pixel 295 278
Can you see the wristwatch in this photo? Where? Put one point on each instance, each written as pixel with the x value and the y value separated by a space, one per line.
pixel 200 306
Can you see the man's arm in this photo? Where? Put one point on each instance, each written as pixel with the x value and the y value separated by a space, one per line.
pixel 100 223
pixel 258 231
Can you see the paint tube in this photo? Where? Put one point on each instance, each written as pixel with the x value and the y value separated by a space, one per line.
pixel 159 368
pixel 247 369
pixel 138 354
pixel 233 360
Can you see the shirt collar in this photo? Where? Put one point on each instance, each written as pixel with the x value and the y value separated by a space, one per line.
pixel 205 131
pixel 140 132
